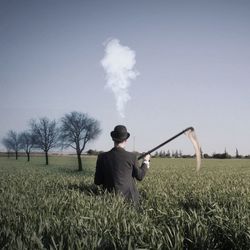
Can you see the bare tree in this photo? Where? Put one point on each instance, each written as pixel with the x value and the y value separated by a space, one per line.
pixel 7 145
pixel 77 130
pixel 27 141
pixel 45 134
pixel 12 142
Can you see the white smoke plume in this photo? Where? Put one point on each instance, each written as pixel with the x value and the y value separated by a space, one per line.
pixel 118 63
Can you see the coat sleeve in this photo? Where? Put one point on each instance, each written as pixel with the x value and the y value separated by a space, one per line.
pixel 139 172
pixel 98 180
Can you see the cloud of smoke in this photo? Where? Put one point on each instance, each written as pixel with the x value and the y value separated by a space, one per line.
pixel 118 63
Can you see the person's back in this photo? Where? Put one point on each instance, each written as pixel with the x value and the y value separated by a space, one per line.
pixel 116 169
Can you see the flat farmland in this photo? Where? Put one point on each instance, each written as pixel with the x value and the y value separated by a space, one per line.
pixel 57 207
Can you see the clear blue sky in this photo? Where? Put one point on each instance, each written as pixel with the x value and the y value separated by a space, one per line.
pixel 193 58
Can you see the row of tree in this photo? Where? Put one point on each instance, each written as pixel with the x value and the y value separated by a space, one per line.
pixel 74 130
pixel 226 155
pixel 178 154
pixel 168 154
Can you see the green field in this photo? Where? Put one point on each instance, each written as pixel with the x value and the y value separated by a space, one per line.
pixel 56 207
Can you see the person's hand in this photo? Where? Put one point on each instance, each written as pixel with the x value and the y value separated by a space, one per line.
pixel 146 160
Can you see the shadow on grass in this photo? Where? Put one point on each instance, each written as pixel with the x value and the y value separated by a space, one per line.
pixel 75 172
pixel 66 170
pixel 190 204
pixel 88 189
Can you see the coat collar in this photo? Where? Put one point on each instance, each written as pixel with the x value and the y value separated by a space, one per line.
pixel 117 149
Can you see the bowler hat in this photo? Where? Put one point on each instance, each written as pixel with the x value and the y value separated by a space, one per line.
pixel 120 133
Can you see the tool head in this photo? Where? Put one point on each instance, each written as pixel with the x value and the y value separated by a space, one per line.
pixel 190 133
pixel 189 128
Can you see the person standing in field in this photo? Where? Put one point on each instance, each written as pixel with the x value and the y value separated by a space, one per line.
pixel 117 169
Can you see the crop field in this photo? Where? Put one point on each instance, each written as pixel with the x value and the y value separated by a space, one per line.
pixel 57 207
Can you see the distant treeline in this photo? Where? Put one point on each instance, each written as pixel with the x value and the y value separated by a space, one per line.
pixel 160 154
pixel 179 154
pixel 35 154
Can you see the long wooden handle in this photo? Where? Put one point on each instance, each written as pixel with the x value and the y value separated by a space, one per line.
pixel 165 142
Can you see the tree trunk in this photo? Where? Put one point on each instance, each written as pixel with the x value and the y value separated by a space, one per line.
pixel 47 157
pixel 16 155
pixel 28 155
pixel 8 154
pixel 79 162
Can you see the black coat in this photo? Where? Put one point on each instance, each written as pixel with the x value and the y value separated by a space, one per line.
pixel 117 170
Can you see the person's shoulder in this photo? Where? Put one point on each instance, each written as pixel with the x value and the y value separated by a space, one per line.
pixel 132 155
pixel 104 153
pixel 101 155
